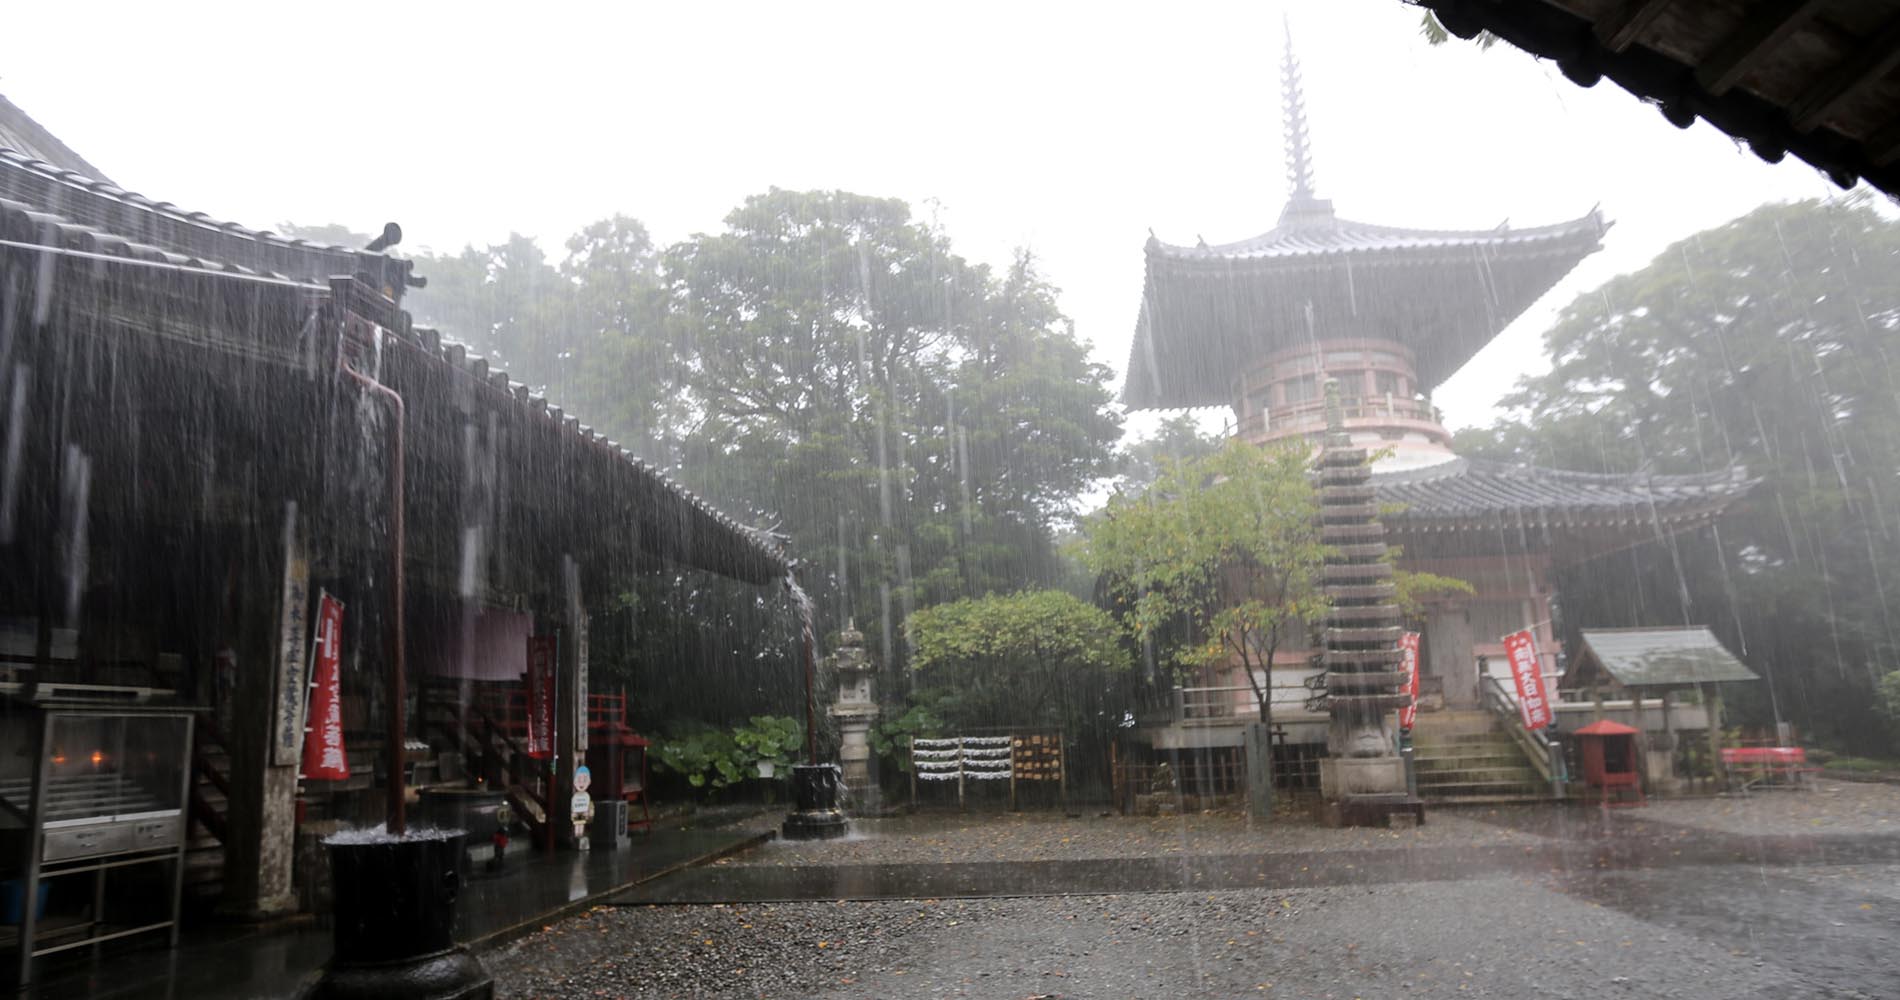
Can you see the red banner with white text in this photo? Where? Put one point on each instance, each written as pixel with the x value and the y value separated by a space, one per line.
pixel 1533 704
pixel 323 755
pixel 541 654
pixel 1409 714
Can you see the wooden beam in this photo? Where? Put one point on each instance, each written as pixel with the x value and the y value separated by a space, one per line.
pixel 1764 28
pixel 1619 29
pixel 1869 63
pixel 1883 147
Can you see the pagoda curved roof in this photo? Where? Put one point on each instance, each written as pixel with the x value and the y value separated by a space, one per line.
pixel 1208 313
pixel 1465 488
pixel 1348 236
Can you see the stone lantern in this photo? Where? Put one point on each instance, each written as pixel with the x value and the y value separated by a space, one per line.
pixel 854 710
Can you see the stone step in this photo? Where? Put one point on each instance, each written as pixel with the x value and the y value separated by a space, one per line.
pixel 1450 742
pixel 1450 763
pixel 1467 775
pixel 1469 789
pixel 1486 799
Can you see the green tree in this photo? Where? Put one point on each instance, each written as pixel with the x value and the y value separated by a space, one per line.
pixel 1768 344
pixel 1033 658
pixel 1177 439
pixel 508 302
pixel 1226 545
pixel 916 423
pixel 627 373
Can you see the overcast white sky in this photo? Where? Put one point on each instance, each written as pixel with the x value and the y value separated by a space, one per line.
pixel 1068 128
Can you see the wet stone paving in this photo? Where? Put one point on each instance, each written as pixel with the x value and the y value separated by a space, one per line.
pixel 1781 894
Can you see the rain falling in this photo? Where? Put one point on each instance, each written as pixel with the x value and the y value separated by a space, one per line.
pixel 1382 498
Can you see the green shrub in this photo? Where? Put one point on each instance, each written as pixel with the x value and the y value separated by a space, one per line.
pixel 770 739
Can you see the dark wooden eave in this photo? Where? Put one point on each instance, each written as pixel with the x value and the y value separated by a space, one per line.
pixel 1810 78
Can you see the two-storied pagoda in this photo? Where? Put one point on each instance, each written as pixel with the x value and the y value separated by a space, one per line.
pixel 1261 325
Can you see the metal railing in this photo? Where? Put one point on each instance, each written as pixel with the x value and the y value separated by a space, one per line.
pixel 1308 414
pixel 1238 701
pixel 1546 755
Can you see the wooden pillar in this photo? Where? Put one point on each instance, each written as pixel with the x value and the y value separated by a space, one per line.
pixel 1712 707
pixel 570 725
pixel 1062 771
pixel 1642 740
pixel 960 772
pixel 1012 773
pixel 260 811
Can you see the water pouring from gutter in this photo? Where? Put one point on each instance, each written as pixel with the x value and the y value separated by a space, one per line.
pixel 816 787
pixel 397 682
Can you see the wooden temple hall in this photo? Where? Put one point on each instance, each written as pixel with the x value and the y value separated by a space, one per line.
pixel 1262 324
pixel 241 497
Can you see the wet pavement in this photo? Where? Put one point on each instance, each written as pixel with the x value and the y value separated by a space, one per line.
pixel 1619 906
pixel 221 961
pixel 1106 876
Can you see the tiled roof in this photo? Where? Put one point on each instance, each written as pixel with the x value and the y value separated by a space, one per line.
pixel 42 205
pixel 696 532
pixel 75 212
pixel 1304 234
pixel 1656 657
pixel 19 132
pixel 1470 490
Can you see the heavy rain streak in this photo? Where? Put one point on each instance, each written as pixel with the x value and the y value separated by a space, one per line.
pixel 1384 498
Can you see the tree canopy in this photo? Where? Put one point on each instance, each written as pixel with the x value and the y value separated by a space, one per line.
pixel 1035 658
pixel 1218 561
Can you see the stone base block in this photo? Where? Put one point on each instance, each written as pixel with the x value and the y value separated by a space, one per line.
pixel 1343 777
pixel 815 824
pixel 449 975
pixel 1371 810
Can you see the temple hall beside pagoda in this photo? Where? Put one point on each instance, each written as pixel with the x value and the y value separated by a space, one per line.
pixel 1261 325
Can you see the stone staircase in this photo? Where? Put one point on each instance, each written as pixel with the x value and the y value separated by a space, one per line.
pixel 1465 756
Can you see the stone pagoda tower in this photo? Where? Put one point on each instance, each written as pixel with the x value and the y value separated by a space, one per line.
pixel 1362 773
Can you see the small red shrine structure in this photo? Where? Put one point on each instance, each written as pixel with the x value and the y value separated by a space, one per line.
pixel 1609 763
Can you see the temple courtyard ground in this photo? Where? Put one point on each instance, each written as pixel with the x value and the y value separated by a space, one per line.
pixel 1777 894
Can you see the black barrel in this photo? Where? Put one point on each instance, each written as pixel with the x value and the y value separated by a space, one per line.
pixel 395 899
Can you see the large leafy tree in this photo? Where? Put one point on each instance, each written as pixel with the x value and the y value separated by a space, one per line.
pixel 915 422
pixel 1772 344
pixel 508 302
pixel 1218 562
pixel 1175 439
pixel 1033 658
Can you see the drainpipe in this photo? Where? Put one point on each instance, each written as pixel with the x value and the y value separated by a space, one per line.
pixel 395 823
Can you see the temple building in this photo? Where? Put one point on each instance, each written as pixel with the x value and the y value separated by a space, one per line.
pixel 1389 313
pixel 276 563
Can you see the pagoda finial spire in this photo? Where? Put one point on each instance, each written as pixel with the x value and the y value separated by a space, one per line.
pixel 1299 160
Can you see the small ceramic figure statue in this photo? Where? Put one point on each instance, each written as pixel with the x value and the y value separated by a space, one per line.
pixel 581 810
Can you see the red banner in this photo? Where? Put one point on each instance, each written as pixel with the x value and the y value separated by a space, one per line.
pixel 323 756
pixel 541 654
pixel 1520 648
pixel 1409 714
